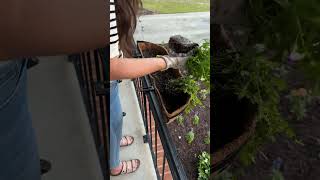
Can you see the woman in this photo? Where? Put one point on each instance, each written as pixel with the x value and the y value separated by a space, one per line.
pixel 123 18
pixel 24 33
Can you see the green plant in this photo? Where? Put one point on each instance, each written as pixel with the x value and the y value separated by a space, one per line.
pixel 190 136
pixel 207 139
pixel 204 166
pixel 298 101
pixel 203 94
pixel 199 65
pixel 288 31
pixel 180 120
pixel 289 28
pixel 253 78
pixel 277 175
pixel 196 120
pixel 190 86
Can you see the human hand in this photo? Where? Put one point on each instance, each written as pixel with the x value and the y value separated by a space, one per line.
pixel 175 62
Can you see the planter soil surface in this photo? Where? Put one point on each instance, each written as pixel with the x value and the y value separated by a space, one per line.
pixel 188 153
pixel 300 161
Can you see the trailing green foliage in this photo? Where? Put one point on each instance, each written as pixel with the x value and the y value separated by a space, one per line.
pixel 204 166
pixel 199 65
pixel 252 76
pixel 288 32
pixel 290 29
pixel 190 86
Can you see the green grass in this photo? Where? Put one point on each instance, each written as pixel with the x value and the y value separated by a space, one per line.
pixel 176 6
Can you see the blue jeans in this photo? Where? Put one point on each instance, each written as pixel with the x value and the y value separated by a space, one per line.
pixel 116 119
pixel 19 158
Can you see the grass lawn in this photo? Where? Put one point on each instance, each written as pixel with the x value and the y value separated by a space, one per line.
pixel 176 6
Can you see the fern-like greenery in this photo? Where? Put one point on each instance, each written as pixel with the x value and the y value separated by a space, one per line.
pixel 289 32
pixel 288 27
pixel 253 78
pixel 198 67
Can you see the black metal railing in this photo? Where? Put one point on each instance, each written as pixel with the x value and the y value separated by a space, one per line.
pixel 156 130
pixel 91 69
pixel 92 72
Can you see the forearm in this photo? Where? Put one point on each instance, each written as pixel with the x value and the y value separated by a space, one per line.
pixel 30 27
pixel 129 68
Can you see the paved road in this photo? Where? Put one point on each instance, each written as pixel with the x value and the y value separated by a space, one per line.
pixel 159 28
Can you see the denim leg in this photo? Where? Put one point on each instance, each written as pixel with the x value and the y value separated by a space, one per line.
pixel 19 159
pixel 116 121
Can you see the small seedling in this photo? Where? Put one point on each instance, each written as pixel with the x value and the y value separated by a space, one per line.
pixel 180 120
pixel 190 136
pixel 207 139
pixel 298 101
pixel 277 175
pixel 203 94
pixel 196 120
pixel 204 166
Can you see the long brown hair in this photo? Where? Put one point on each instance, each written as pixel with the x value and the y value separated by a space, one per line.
pixel 127 12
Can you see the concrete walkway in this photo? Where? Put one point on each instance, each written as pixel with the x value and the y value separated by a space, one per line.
pixel 63 129
pixel 133 125
pixel 159 28
pixel 61 123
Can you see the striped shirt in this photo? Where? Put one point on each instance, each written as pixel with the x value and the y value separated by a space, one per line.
pixel 114 38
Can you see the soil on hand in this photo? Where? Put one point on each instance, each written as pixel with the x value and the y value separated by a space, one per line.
pixel 173 98
pixel 188 153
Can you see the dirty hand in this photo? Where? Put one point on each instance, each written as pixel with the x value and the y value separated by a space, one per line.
pixel 175 62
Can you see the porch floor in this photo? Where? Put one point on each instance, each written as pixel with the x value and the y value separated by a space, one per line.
pixel 63 130
pixel 133 125
pixel 60 121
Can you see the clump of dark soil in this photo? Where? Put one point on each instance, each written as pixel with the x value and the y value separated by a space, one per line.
pixel 181 44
